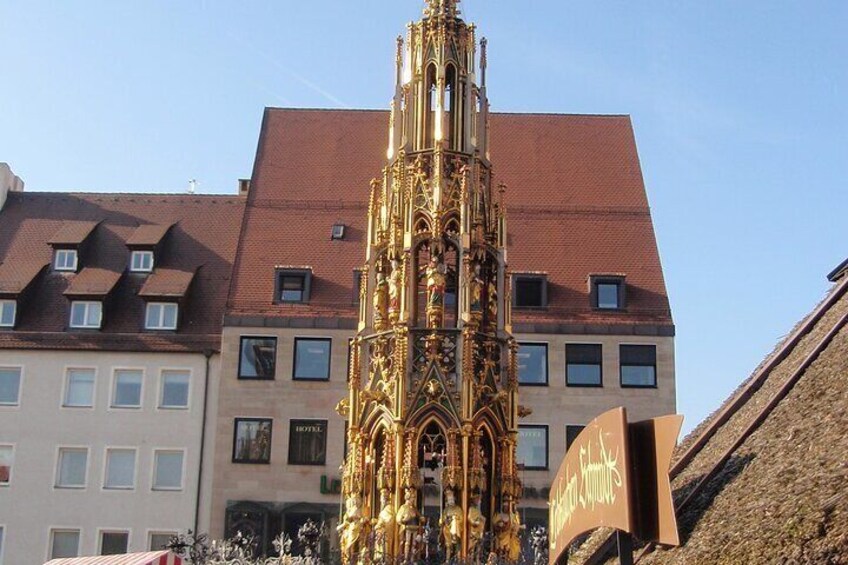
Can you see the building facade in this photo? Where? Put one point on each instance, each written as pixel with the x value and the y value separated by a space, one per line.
pixel 109 360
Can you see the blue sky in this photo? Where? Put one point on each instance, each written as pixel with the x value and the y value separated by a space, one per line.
pixel 739 110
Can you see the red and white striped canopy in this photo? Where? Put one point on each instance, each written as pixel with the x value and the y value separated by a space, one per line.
pixel 150 558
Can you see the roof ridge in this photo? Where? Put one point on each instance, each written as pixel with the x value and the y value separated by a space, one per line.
pixel 235 197
pixel 504 113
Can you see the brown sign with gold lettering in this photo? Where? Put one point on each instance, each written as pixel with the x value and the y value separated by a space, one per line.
pixel 615 475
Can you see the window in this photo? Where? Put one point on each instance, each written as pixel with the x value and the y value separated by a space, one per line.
pixel 10 386
pixel 141 261
pixel 168 470
pixel 252 440
pixel 8 311
pixel 571 433
pixel 79 388
pixel 114 543
pixel 160 540
pixel 175 385
pixel 161 316
pixel 86 315
pixel 1 544
pixel 607 291
pixel 7 461
pixel 258 358
pixel 638 365
pixel 64 543
pixel 127 392
pixel 532 451
pixel 72 467
pixel 530 291
pixel 533 364
pixel 312 359
pixel 583 364
pixel 293 285
pixel 338 231
pixel 65 260
pixel 308 442
pixel 120 469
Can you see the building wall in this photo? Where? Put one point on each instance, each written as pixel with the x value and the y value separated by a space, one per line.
pixel 31 505
pixel 279 484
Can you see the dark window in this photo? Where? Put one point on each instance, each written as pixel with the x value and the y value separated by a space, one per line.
pixel 338 231
pixel 308 442
pixel 530 291
pixel 312 359
pixel 571 433
pixel 533 364
pixel 583 364
pixel 114 543
pixel 607 291
pixel 257 358
pixel 252 440
pixel 638 365
pixel 293 285
pixel 532 451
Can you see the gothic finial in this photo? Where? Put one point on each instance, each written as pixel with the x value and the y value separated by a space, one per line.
pixel 443 8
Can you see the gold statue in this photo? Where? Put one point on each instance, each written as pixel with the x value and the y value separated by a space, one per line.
pixel 436 284
pixel 476 527
pixel 395 288
pixel 384 528
pixel 409 522
pixel 451 525
pixel 381 303
pixel 352 528
pixel 507 526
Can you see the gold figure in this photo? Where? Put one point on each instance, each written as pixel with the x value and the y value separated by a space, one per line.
pixel 507 527
pixel 436 284
pixel 409 522
pixel 395 288
pixel 381 303
pixel 352 528
pixel 384 528
pixel 476 528
pixel 451 525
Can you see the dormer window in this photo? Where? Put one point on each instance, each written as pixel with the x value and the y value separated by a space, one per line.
pixel 87 315
pixel 607 292
pixel 141 261
pixel 161 316
pixel 65 260
pixel 293 285
pixel 338 231
pixel 8 312
pixel 530 291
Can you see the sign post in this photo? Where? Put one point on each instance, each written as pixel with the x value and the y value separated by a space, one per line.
pixel 616 475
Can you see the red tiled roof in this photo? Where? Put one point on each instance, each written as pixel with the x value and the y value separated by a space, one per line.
pixel 92 282
pixel 576 206
pixel 72 233
pixel 148 235
pixel 204 234
pixel 16 277
pixel 164 283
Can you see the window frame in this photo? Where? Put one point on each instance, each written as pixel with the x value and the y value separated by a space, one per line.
pixel 8 483
pixel 142 253
pixel 111 449
pixel 160 325
pixel 60 530
pixel 281 273
pixel 66 389
pixel 113 405
pixel 87 304
pixel 338 232
pixel 4 303
pixel 622 365
pixel 273 375
pixel 619 281
pixel 64 268
pixel 151 533
pixel 547 363
pixel 163 373
pixel 299 339
pixel 17 402
pixel 60 450
pixel 154 462
pixel 295 421
pixel 245 461
pixel 546 427
pixel 600 366
pixel 542 278
pixel 103 531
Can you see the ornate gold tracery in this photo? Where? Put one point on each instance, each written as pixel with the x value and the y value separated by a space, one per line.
pixel 433 368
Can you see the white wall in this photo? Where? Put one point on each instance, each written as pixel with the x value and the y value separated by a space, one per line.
pixel 31 505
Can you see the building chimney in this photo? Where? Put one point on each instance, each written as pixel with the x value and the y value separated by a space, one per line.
pixel 244 187
pixel 9 182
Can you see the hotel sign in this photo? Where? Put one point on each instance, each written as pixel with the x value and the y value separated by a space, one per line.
pixel 615 475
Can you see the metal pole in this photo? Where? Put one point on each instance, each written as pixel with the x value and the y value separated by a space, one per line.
pixel 625 547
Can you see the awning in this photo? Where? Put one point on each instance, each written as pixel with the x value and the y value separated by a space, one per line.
pixel 150 558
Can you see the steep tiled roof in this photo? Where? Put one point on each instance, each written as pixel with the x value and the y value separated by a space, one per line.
pixel 148 235
pixel 203 239
pixel 576 206
pixel 167 282
pixel 72 233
